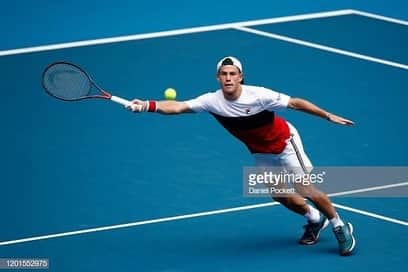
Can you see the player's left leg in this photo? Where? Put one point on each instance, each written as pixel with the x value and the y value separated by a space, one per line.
pixel 294 159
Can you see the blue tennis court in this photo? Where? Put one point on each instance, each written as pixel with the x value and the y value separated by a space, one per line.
pixel 93 187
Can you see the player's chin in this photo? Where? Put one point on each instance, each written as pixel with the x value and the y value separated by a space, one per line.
pixel 229 88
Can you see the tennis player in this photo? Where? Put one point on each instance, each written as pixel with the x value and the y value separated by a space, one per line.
pixel 248 113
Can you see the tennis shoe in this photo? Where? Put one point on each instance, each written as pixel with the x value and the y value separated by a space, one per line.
pixel 312 231
pixel 344 235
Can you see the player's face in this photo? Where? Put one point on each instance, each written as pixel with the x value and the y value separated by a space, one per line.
pixel 230 79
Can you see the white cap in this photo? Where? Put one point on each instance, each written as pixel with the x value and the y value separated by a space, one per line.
pixel 229 61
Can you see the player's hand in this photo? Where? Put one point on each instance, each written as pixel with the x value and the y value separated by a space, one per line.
pixel 138 105
pixel 339 120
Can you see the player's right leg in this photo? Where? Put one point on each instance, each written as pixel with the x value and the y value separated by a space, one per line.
pixel 316 222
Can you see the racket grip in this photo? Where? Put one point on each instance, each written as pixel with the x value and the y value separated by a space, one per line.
pixel 120 100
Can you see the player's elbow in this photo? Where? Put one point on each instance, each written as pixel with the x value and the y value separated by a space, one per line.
pixel 177 109
pixel 295 103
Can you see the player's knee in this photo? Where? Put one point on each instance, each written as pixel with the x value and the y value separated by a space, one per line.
pixel 308 192
pixel 316 196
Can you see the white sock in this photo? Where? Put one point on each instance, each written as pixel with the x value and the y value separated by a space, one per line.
pixel 336 221
pixel 313 215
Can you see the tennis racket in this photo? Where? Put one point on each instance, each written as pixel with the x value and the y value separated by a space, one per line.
pixel 69 82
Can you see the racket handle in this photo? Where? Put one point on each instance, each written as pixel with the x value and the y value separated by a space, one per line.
pixel 119 100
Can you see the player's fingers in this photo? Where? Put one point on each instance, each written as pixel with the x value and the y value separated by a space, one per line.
pixel 344 121
pixel 134 107
pixel 129 107
pixel 340 120
pixel 349 122
pixel 138 105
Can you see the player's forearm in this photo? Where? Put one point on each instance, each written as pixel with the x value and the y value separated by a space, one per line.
pixel 172 107
pixel 308 107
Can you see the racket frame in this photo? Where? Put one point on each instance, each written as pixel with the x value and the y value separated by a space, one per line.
pixel 104 94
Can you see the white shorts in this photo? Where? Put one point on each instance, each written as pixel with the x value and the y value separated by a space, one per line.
pixel 293 158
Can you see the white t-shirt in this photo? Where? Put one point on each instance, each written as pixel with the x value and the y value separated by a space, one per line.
pixel 253 100
pixel 250 118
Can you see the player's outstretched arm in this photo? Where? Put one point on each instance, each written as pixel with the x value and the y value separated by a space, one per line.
pixel 163 107
pixel 308 107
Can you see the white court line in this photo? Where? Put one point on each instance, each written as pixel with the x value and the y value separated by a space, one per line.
pixel 201 214
pixel 380 17
pixel 322 47
pixel 175 32
pixel 139 223
pixel 370 189
pixel 370 214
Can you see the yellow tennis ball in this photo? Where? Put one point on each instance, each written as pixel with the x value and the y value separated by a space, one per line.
pixel 170 94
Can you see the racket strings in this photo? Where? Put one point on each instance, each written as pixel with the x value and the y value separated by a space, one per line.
pixel 67 82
